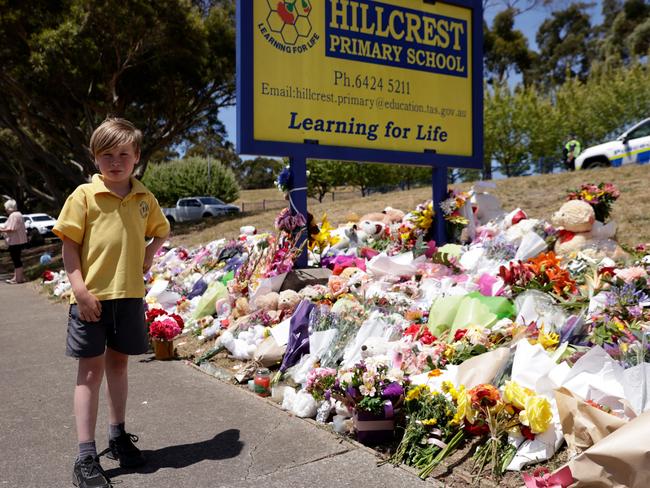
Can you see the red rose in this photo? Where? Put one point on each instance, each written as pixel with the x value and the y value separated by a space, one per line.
pixel 460 333
pixel 478 429
pixel 527 433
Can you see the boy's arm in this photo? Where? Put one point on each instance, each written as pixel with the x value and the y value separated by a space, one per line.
pixel 89 307
pixel 151 250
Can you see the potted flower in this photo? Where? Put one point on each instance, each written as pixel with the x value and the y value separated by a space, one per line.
pixel 162 330
pixel 374 391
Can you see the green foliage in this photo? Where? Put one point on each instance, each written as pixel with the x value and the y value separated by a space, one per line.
pixel 505 49
pixel 258 173
pixel 566 45
pixel 189 177
pixel 168 66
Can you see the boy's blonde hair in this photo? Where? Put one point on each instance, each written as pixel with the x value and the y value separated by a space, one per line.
pixel 115 132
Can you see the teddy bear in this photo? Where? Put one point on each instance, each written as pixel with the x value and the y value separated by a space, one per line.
pixel 288 300
pixel 579 231
pixel 376 217
pixel 574 221
pixel 394 215
pixel 486 207
pixel 241 308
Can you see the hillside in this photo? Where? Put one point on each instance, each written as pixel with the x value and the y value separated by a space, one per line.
pixel 538 195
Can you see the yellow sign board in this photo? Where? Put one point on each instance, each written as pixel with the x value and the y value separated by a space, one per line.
pixel 389 75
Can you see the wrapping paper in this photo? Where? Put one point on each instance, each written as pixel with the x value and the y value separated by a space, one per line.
pixel 583 425
pixel 620 460
pixel 531 245
pixel 399 265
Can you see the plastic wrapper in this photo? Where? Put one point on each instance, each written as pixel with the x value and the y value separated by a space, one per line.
pixel 531 245
pixel 541 308
pixel 400 265
pixel 269 352
pixel 206 305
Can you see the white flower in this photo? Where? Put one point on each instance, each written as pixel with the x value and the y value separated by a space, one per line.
pixel 368 389
pixel 346 377
pixel 478 336
pixel 395 374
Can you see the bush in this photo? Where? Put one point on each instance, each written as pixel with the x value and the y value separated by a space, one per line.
pixel 189 177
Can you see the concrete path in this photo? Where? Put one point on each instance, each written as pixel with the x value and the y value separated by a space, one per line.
pixel 195 430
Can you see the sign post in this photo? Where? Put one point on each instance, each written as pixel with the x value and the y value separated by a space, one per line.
pixel 390 81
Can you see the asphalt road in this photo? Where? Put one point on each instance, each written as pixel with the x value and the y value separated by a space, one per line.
pixel 195 430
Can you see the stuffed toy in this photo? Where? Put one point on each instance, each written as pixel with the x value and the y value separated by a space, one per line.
pixel 288 300
pixel 486 207
pixel 574 221
pixel 394 215
pixel 370 229
pixel 241 308
pixel 314 292
pixel 376 217
pixel 267 302
pixel 580 231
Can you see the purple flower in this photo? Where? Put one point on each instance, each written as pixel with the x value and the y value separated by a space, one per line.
pixel 284 179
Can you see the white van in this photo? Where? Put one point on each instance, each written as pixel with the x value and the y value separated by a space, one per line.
pixel 633 146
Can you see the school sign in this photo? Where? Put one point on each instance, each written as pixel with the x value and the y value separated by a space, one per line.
pixel 383 81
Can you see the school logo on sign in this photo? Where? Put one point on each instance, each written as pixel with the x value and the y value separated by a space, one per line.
pixel 288 27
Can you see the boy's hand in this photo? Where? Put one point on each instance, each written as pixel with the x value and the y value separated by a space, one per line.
pixel 148 261
pixel 90 309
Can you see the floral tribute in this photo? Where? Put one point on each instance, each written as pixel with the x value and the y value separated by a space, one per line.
pixel 601 197
pixel 485 411
pixel 320 382
pixel 543 272
pixel 164 327
pixel 369 385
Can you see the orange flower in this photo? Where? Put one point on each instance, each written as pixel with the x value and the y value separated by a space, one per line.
pixel 434 372
pixel 484 396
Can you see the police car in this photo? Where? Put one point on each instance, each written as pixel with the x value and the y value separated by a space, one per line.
pixel 633 146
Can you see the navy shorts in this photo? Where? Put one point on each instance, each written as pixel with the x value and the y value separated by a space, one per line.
pixel 120 327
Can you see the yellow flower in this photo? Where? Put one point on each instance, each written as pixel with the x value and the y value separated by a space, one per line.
pixel 324 237
pixel 537 415
pixel 429 422
pixel 463 407
pixel 516 394
pixel 449 352
pixel 548 340
pixel 414 393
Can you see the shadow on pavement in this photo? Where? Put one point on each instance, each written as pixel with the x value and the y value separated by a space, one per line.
pixel 222 446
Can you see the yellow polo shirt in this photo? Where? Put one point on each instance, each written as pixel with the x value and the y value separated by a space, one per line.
pixel 111 231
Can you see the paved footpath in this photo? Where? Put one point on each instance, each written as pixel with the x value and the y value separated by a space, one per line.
pixel 195 430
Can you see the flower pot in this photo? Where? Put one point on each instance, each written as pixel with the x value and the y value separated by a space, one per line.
pixel 163 350
pixel 372 429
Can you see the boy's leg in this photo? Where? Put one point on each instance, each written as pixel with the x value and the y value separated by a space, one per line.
pixel 86 396
pixel 117 385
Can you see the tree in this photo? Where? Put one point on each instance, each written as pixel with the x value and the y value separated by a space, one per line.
pixel 566 46
pixel 505 49
pixel 258 173
pixel 629 32
pixel 167 66
pixel 193 176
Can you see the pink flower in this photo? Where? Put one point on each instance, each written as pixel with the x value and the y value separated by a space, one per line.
pixel 632 274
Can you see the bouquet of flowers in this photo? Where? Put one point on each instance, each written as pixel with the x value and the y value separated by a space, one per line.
pixel 369 385
pixel 320 382
pixel 600 197
pixel 452 210
pixel 484 411
pixel 322 240
pixel 542 273
pixel 429 435
pixel 166 326
pixel 283 180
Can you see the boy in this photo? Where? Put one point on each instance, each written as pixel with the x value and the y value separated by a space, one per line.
pixel 103 226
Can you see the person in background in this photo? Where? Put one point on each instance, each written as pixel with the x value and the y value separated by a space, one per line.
pixel 16 236
pixel 571 151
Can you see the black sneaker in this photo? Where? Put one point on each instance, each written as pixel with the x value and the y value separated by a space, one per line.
pixel 88 473
pixel 122 449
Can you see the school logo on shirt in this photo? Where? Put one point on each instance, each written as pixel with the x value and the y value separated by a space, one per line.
pixel 144 209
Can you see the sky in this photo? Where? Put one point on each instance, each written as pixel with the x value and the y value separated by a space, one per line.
pixel 528 23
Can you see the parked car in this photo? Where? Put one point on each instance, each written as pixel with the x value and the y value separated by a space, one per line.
pixel 38 226
pixel 195 208
pixel 3 219
pixel 633 146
